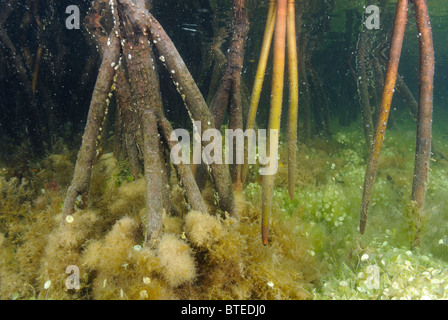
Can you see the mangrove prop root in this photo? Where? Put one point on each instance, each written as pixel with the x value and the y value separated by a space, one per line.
pixel 194 102
pixel 166 173
pixel 21 69
pixel 194 196
pixel 36 69
pixel 40 48
pixel 231 78
pixel 322 104
pixel 401 87
pixel 362 83
pixel 408 97
pixel 425 102
pixel 153 177
pixel 306 101
pixel 379 75
pixel 228 95
pixel 33 122
pixel 293 96
pixel 259 77
pixel 275 112
pixel 119 145
pixel 236 122
pixel 129 118
pixel 389 85
pixel 98 108
pixel 146 92
pixel 412 104
pixel 220 60
pixel 93 24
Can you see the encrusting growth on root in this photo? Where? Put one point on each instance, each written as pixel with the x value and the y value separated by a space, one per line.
pixel 140 102
pixel 153 177
pixel 228 95
pixel 97 112
pixel 195 104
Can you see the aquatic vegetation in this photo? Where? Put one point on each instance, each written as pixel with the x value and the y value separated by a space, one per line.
pixel 55 170
pixel 92 205
pixel 123 173
pixel 62 250
pixel 129 198
pixel 222 256
pixel 386 272
pixel 15 198
pixel 202 229
pixel 176 261
pixel 201 256
pixel 10 279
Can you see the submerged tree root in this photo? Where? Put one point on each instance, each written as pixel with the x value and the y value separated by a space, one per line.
pixel 140 106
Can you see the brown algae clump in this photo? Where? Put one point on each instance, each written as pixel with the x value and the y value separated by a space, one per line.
pixel 202 229
pixel 199 256
pixel 176 260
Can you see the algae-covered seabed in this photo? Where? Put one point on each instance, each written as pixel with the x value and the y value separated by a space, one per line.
pixel 315 249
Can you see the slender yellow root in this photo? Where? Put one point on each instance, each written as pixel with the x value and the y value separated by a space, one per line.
pixel 275 113
pixel 293 95
pixel 259 77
